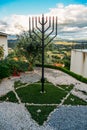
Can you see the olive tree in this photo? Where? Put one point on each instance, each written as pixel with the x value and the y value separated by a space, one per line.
pixel 30 48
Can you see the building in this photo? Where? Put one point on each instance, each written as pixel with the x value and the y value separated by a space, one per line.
pixel 79 62
pixel 4 43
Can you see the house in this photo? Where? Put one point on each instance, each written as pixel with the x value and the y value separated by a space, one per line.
pixel 79 61
pixel 4 43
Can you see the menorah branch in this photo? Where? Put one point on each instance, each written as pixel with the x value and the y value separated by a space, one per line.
pixel 33 29
pixel 50 40
pixel 39 21
pixel 36 24
pixel 49 24
pixel 36 34
pixel 45 21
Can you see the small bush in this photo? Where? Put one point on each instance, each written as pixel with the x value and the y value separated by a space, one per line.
pixel 22 66
pixel 4 71
pixel 7 67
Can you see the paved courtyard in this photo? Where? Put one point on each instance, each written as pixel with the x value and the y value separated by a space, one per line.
pixel 14 116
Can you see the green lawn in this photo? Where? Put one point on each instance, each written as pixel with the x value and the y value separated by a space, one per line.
pixel 9 97
pixel 67 88
pixel 32 94
pixel 40 113
pixel 73 100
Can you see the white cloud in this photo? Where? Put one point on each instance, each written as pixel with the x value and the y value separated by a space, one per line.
pixel 16 24
pixel 69 14
pixel 72 19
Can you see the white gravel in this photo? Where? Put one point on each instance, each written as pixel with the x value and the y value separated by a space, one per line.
pixel 15 117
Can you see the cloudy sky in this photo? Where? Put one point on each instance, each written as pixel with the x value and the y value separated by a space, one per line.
pixel 72 16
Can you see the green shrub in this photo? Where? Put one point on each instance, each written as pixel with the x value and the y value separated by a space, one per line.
pixel 4 71
pixel 20 66
pixel 7 67
pixel 12 65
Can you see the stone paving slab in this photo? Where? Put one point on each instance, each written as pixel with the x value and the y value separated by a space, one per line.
pixel 58 77
pixel 5 86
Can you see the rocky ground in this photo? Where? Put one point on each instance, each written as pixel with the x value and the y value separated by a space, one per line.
pixel 15 116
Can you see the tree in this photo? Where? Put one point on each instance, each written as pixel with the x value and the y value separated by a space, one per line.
pixel 30 49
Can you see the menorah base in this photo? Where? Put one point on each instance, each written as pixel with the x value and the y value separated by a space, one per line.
pixel 42 92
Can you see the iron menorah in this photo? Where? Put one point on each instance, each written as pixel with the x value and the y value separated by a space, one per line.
pixel 52 23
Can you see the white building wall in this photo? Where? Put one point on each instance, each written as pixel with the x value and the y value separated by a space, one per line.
pixel 79 62
pixel 4 44
pixel 85 65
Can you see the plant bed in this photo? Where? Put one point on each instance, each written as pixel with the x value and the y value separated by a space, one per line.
pixel 66 88
pixel 40 113
pixel 32 94
pixel 73 100
pixel 9 97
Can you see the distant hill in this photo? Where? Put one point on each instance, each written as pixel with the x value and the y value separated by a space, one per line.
pixel 12 41
pixel 72 41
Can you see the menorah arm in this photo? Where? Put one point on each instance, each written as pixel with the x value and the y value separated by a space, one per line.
pixel 32 38
pixel 34 28
pixel 52 28
pixel 36 25
pixel 50 40
pixel 38 28
pixel 48 28
pixel 49 24
pixel 49 34
pixel 45 21
pixel 40 21
pixel 36 34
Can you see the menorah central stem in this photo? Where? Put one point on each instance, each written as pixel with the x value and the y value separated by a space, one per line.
pixel 43 53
